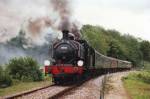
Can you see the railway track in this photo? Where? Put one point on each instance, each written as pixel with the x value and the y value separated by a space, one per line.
pixel 56 96
pixel 14 96
pixel 48 92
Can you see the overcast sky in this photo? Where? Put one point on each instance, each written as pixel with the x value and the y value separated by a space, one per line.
pixel 126 16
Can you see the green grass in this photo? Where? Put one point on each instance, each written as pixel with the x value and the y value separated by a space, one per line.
pixel 136 86
pixel 23 86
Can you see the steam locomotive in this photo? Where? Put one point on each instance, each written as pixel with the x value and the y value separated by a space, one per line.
pixel 76 59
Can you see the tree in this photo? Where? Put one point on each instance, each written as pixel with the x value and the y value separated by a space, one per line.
pixel 145 49
pixel 115 50
pixel 19 40
pixel 95 37
pixel 133 50
pixel 5 79
pixel 24 69
pixel 113 43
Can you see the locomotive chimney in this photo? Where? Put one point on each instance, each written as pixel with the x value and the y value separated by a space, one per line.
pixel 65 34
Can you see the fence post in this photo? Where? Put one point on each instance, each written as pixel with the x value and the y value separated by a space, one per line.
pixel 102 91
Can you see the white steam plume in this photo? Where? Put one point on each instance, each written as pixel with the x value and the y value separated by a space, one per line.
pixel 35 16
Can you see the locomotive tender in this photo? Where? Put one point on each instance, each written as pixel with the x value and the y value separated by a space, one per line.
pixel 74 59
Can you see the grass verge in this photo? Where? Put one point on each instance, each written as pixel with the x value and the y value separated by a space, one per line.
pixel 137 85
pixel 23 86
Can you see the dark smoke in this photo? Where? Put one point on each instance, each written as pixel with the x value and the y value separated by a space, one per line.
pixel 76 30
pixel 64 9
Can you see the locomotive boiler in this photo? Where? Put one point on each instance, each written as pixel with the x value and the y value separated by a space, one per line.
pixel 71 59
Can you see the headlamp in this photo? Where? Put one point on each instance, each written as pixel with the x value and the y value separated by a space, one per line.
pixel 80 63
pixel 46 62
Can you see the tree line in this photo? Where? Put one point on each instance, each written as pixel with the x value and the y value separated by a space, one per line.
pixel 115 44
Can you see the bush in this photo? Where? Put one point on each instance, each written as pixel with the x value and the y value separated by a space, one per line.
pixel 143 76
pixel 24 69
pixel 5 79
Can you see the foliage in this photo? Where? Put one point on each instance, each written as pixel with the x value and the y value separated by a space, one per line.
pixel 95 36
pixel 1 70
pixel 138 85
pixel 24 69
pixel 115 50
pixel 143 76
pixel 114 44
pixel 5 79
pixel 146 65
pixel 19 40
pixel 145 49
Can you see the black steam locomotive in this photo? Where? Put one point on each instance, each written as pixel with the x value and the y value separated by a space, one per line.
pixel 75 59
pixel 72 58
